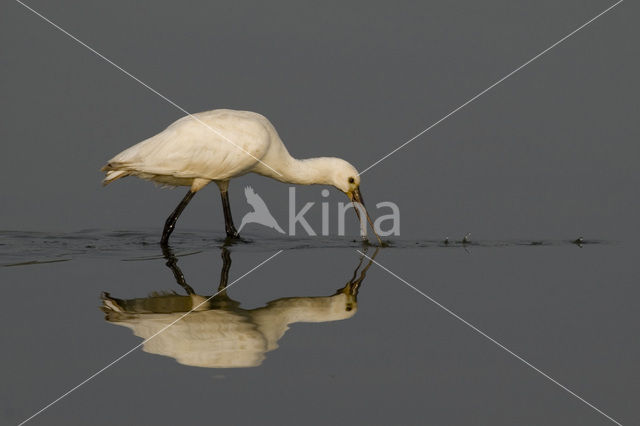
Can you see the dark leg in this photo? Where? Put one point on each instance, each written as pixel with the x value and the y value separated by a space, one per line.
pixel 171 220
pixel 221 300
pixel 224 273
pixel 232 232
pixel 172 263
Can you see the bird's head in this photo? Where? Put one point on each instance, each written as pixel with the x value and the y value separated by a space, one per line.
pixel 346 178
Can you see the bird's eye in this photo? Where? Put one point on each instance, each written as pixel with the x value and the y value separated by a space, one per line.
pixel 351 180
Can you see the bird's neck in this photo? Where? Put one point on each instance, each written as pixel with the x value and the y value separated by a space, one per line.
pixel 306 171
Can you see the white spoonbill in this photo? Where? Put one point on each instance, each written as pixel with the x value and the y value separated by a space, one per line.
pixel 222 144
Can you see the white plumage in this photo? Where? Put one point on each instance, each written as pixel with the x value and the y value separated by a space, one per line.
pixel 189 149
pixel 216 146
pixel 216 331
pixel 227 338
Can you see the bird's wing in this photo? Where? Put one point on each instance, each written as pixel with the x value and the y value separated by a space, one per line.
pixel 216 145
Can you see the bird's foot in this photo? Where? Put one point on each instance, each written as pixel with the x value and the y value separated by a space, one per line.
pixel 367 243
pixel 233 237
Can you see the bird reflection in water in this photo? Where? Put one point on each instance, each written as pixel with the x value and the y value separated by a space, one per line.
pixel 218 333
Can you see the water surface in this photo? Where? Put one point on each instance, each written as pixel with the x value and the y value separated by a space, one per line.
pixel 308 338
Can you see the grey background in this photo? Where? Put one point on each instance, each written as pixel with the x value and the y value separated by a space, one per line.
pixel 551 152
pixel 549 155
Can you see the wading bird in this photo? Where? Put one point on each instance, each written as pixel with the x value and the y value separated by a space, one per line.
pixel 216 146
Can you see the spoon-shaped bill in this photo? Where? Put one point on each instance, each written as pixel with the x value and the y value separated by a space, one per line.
pixel 356 197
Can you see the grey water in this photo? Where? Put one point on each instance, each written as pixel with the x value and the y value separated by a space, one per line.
pixel 311 339
pixel 547 156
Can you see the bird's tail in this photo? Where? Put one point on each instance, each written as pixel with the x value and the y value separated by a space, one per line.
pixel 109 304
pixel 113 309
pixel 112 174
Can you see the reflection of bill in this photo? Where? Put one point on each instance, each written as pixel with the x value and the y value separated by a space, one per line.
pixel 219 334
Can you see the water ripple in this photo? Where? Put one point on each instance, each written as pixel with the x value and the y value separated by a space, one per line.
pixel 20 248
